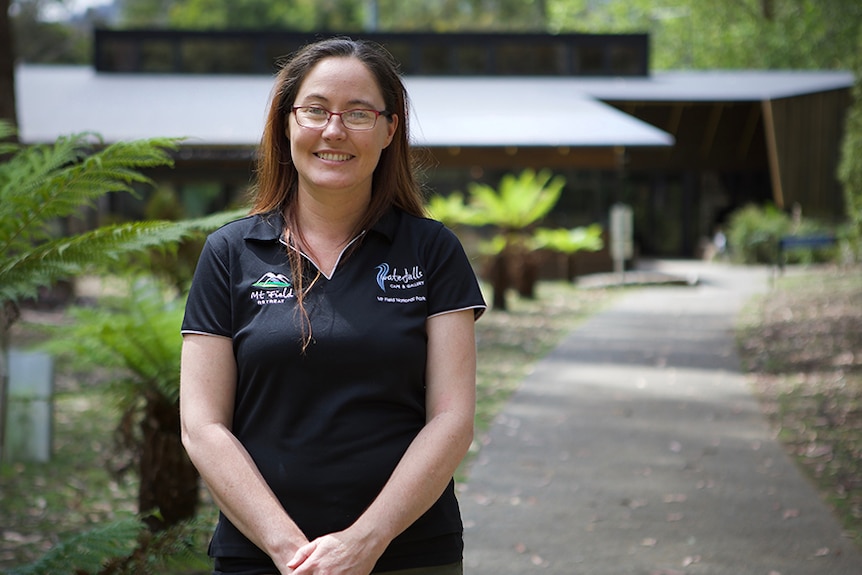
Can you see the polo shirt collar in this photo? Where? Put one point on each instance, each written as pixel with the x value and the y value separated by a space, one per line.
pixel 269 227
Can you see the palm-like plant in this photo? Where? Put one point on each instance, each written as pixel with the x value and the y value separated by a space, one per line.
pixel 513 208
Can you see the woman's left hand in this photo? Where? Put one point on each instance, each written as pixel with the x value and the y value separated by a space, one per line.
pixel 335 554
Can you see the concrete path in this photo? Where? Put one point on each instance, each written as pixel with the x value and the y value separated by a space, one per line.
pixel 637 448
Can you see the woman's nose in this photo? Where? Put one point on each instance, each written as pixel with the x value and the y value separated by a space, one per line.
pixel 334 128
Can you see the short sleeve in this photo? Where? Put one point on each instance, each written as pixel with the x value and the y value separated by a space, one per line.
pixel 452 283
pixel 208 308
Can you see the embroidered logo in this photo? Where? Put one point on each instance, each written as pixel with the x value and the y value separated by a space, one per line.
pixel 399 280
pixel 272 288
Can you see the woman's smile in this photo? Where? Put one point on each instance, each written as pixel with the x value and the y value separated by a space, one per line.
pixel 334 156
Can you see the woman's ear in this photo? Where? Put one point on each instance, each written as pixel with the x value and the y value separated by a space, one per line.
pixel 391 127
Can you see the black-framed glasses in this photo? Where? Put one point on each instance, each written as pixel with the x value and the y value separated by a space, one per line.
pixel 357 119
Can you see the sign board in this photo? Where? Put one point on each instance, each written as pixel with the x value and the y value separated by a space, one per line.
pixel 622 235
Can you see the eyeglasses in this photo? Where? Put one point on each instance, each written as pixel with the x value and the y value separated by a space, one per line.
pixel 357 119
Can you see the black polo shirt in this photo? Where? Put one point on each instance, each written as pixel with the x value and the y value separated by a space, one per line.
pixel 327 427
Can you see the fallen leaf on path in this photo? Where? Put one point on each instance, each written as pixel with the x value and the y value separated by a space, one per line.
pixel 538 561
pixel 675 498
pixel 818 450
pixel 822 552
pixel 691 560
pixel 649 542
pixel 790 514
pixel 634 503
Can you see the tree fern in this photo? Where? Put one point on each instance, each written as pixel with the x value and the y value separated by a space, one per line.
pixel 518 201
pixel 87 552
pixel 22 273
pixel 45 182
pixel 40 184
pixel 136 333
pixel 124 547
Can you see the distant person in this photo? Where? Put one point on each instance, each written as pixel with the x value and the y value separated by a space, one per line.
pixel 328 368
pixel 719 240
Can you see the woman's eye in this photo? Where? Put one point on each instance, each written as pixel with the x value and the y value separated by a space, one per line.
pixel 359 115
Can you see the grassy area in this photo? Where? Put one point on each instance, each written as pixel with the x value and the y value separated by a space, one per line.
pixel 41 504
pixel 802 346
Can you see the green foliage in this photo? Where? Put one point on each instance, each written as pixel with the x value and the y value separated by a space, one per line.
pixel 462 15
pixel 513 209
pixel 41 185
pixel 137 333
pixel 47 42
pixel 88 552
pixel 518 201
pixel 308 15
pixel 125 547
pixel 754 232
pixel 338 15
pixel 452 210
pixel 179 549
pixel 741 34
pixel 569 241
pixel 850 169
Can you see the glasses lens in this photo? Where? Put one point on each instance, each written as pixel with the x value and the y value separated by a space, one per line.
pixel 311 117
pixel 359 119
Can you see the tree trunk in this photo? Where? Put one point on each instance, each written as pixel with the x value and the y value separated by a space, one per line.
pixel 169 481
pixel 527 274
pixel 767 9
pixel 9 314
pixel 499 280
pixel 8 110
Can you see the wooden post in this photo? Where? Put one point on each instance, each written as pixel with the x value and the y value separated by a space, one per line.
pixel 772 153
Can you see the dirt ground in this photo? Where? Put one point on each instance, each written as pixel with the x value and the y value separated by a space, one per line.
pixel 802 345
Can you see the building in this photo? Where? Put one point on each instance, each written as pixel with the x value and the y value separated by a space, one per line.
pixel 683 148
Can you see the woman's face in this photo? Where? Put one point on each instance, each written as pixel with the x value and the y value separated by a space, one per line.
pixel 334 159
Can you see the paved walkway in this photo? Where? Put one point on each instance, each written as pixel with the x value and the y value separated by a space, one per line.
pixel 636 448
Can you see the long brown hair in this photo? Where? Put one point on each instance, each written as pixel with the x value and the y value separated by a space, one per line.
pixel 394 182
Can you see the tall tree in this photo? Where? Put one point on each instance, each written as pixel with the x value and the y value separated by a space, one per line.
pixel 850 170
pixel 730 34
pixel 8 110
pixel 307 15
pixel 463 15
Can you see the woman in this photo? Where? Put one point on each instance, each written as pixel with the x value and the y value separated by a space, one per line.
pixel 328 369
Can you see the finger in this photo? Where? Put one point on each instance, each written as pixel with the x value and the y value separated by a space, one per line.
pixel 301 555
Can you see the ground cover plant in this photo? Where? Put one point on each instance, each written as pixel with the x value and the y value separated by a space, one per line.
pixel 87 484
pixel 802 346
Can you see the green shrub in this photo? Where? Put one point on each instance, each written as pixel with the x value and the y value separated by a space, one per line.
pixel 754 233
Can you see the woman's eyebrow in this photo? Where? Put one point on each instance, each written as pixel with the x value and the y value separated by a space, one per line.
pixel 356 102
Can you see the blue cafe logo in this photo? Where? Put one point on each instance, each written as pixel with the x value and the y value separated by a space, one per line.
pixel 400 279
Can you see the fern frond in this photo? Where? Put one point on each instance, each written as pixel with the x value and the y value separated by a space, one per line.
pixel 137 332
pixel 22 274
pixel 89 551
pixel 46 182
pixel 7 130
pixel 178 549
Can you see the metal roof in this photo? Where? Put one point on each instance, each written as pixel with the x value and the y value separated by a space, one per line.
pixel 716 85
pixel 221 110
